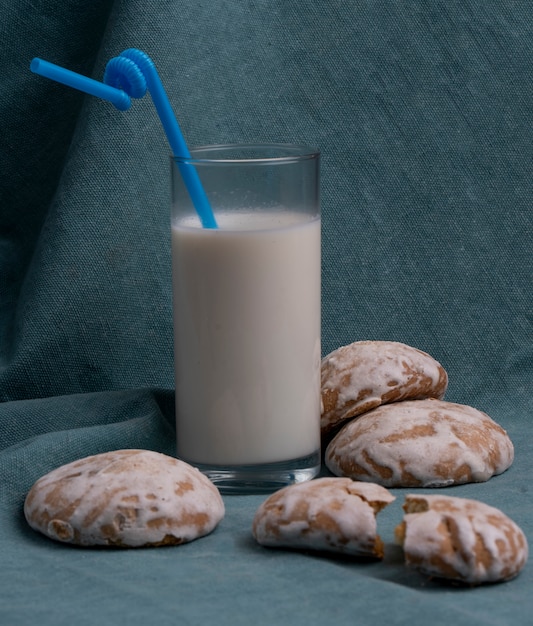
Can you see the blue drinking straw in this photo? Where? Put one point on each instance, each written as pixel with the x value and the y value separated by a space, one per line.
pixel 127 76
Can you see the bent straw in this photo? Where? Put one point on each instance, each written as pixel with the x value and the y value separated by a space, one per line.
pixel 116 96
pixel 129 75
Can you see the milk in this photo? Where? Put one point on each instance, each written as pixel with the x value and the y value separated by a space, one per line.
pixel 247 338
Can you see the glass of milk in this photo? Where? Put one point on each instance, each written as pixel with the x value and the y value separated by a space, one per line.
pixel 247 316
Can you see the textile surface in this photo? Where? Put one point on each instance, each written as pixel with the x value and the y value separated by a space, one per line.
pixel 422 111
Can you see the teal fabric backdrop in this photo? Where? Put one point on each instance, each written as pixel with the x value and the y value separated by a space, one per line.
pixel 422 111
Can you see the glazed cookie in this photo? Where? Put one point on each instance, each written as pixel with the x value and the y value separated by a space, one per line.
pixel 330 514
pixel 366 374
pixel 420 443
pixel 460 539
pixel 127 498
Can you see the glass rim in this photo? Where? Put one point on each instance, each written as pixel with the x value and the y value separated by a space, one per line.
pixel 288 153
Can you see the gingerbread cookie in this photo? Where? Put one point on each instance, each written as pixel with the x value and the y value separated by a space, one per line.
pixel 330 514
pixel 126 498
pixel 420 443
pixel 366 374
pixel 460 539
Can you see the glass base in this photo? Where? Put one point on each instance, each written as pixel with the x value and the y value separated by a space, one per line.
pixel 265 478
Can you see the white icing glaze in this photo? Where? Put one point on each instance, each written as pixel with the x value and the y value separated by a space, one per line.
pixel 366 374
pixel 423 443
pixel 126 497
pixel 463 539
pixel 334 514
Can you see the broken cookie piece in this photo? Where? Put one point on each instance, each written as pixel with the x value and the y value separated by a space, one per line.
pixel 125 498
pixel 327 514
pixel 460 539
